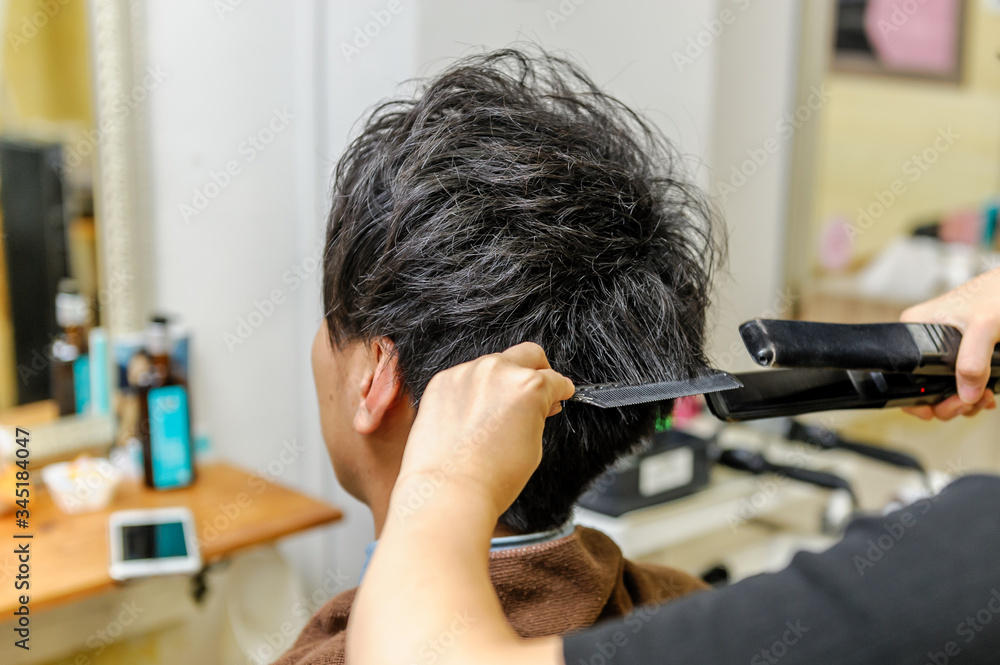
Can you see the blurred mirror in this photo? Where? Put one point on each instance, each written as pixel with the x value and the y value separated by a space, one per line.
pixel 53 351
pixel 899 175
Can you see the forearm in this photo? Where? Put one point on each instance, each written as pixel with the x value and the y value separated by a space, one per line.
pixel 438 531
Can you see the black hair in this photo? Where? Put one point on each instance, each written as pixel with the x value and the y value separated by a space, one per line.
pixel 511 200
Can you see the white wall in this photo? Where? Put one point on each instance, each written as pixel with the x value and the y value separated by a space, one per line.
pixel 754 89
pixel 626 46
pixel 225 75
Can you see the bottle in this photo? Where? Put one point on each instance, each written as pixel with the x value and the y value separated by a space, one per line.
pixel 100 374
pixel 164 415
pixel 70 362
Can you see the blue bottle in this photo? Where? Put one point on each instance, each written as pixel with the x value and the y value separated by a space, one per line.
pixel 164 416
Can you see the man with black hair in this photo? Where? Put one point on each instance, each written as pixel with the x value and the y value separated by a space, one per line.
pixel 510 200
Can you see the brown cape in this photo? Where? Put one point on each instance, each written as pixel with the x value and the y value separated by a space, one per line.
pixel 547 589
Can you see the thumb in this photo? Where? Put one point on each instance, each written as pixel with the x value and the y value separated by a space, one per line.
pixel 975 356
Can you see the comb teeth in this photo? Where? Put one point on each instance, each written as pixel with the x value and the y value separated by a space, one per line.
pixel 609 395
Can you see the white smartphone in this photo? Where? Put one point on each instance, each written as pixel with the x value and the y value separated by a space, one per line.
pixel 158 541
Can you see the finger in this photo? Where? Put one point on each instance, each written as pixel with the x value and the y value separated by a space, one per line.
pixel 987 401
pixel 527 354
pixel 973 410
pixel 561 388
pixel 923 412
pixel 975 356
pixel 951 407
pixel 947 405
pixel 916 314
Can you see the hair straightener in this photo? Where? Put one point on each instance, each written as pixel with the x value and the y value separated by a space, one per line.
pixel 827 366
pixel 818 367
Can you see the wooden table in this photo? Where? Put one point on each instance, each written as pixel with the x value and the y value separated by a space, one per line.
pixel 233 510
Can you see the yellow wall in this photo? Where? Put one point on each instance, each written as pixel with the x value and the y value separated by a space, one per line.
pixel 873 126
pixel 45 64
pixel 44 94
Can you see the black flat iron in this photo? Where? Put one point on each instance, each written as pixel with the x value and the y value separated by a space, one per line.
pixel 829 366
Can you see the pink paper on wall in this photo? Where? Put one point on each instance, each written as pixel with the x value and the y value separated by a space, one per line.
pixel 915 35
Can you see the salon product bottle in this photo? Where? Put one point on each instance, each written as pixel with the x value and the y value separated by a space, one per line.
pixel 64 355
pixel 100 372
pixel 70 362
pixel 164 416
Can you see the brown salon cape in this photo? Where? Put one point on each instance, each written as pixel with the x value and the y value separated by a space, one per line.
pixel 550 588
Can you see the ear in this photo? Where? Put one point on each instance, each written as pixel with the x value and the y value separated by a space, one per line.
pixel 380 386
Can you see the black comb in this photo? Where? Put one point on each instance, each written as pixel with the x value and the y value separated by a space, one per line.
pixel 609 395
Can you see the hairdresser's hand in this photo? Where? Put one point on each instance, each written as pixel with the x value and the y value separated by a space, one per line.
pixel 480 423
pixel 475 441
pixel 973 308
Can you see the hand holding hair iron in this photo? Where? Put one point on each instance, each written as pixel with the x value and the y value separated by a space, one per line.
pixel 836 366
pixel 824 366
pixel 911 348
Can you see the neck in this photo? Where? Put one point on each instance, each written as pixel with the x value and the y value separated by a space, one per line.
pixel 382 464
pixel 380 505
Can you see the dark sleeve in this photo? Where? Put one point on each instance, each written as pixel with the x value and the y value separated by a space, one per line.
pixel 920 586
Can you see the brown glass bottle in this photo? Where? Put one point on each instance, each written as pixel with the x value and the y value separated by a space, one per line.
pixel 70 347
pixel 152 392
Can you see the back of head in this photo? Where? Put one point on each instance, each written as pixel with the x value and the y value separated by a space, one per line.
pixel 510 201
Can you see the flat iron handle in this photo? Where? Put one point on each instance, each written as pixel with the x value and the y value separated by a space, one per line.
pixel 917 348
pixel 792 392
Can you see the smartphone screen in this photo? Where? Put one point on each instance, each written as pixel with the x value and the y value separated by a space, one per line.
pixel 153 541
